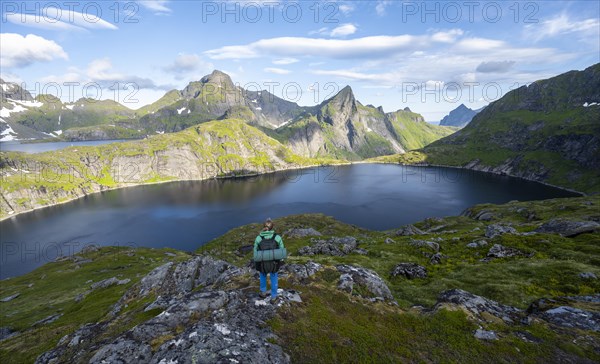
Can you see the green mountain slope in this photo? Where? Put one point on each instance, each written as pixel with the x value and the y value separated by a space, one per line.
pixel 542 131
pixel 548 131
pixel 342 127
pixel 213 149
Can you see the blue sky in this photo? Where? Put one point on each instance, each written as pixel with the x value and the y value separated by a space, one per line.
pixel 429 56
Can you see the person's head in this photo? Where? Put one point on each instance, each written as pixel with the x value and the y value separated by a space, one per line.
pixel 268 226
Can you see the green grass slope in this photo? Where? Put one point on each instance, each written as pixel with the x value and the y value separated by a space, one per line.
pixel 541 132
pixel 214 149
pixel 333 326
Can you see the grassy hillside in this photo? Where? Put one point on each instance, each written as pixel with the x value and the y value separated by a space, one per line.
pixel 214 149
pixel 330 325
pixel 547 131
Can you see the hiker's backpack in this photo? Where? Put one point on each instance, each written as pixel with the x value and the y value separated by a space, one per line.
pixel 268 266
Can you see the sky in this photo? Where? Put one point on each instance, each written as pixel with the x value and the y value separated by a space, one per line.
pixel 429 56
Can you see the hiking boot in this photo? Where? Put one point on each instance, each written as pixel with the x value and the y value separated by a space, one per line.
pixel 263 294
pixel 273 300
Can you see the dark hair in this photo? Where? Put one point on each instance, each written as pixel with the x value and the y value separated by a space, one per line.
pixel 268 225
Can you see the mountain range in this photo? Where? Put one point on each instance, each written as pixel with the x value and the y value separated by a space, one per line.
pixel 548 131
pixel 339 127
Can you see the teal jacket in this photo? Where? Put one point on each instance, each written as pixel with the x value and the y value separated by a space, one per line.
pixel 267 235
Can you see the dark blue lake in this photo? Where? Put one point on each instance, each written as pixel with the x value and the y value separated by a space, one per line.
pixel 185 215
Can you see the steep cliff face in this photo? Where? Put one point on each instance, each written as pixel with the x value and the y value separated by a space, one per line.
pixel 218 148
pixel 548 131
pixel 342 127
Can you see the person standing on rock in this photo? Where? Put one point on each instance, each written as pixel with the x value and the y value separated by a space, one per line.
pixel 268 253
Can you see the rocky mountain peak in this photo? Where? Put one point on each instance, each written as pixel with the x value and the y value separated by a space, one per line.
pixel 11 90
pixel 218 78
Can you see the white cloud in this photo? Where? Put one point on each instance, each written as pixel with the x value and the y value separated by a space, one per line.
pixel 373 47
pixel 343 30
pixel 188 65
pixel 54 18
pixel 495 66
pixel 562 24
pixel 447 36
pixel 346 8
pixel 380 7
pixel 480 44
pixel 19 51
pixel 366 47
pixel 284 61
pixel 278 71
pixel 101 71
pixel 158 6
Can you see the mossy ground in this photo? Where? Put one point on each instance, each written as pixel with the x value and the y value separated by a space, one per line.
pixel 333 326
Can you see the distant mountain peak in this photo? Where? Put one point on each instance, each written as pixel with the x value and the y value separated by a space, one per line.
pixel 460 116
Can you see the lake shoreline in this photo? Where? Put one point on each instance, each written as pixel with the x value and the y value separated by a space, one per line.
pixel 341 163
pixel 582 194
pixel 8 216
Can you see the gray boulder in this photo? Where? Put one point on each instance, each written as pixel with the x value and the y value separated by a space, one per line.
pixel 302 271
pixel 390 241
pixel 485 335
pixel 477 243
pixel 409 270
pixel 500 251
pixel 484 216
pixel 495 230
pixel 568 228
pixel 48 320
pixel 409 230
pixel 109 282
pixel 436 258
pixel 477 305
pixel 352 278
pixel 567 316
pixel 10 298
pixel 6 332
pixel 587 275
pixel 426 244
pixel 334 246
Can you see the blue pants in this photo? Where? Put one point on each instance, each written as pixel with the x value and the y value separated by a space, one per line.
pixel 263 283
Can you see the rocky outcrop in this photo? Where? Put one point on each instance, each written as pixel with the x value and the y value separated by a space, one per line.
pixel 568 228
pixel 478 307
pixel 495 230
pixel 500 251
pixel 109 282
pixel 358 280
pixel 563 312
pixel 10 298
pixel 409 270
pixel 426 244
pixel 485 335
pixel 301 272
pixel 207 325
pixel 409 230
pixel 334 246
